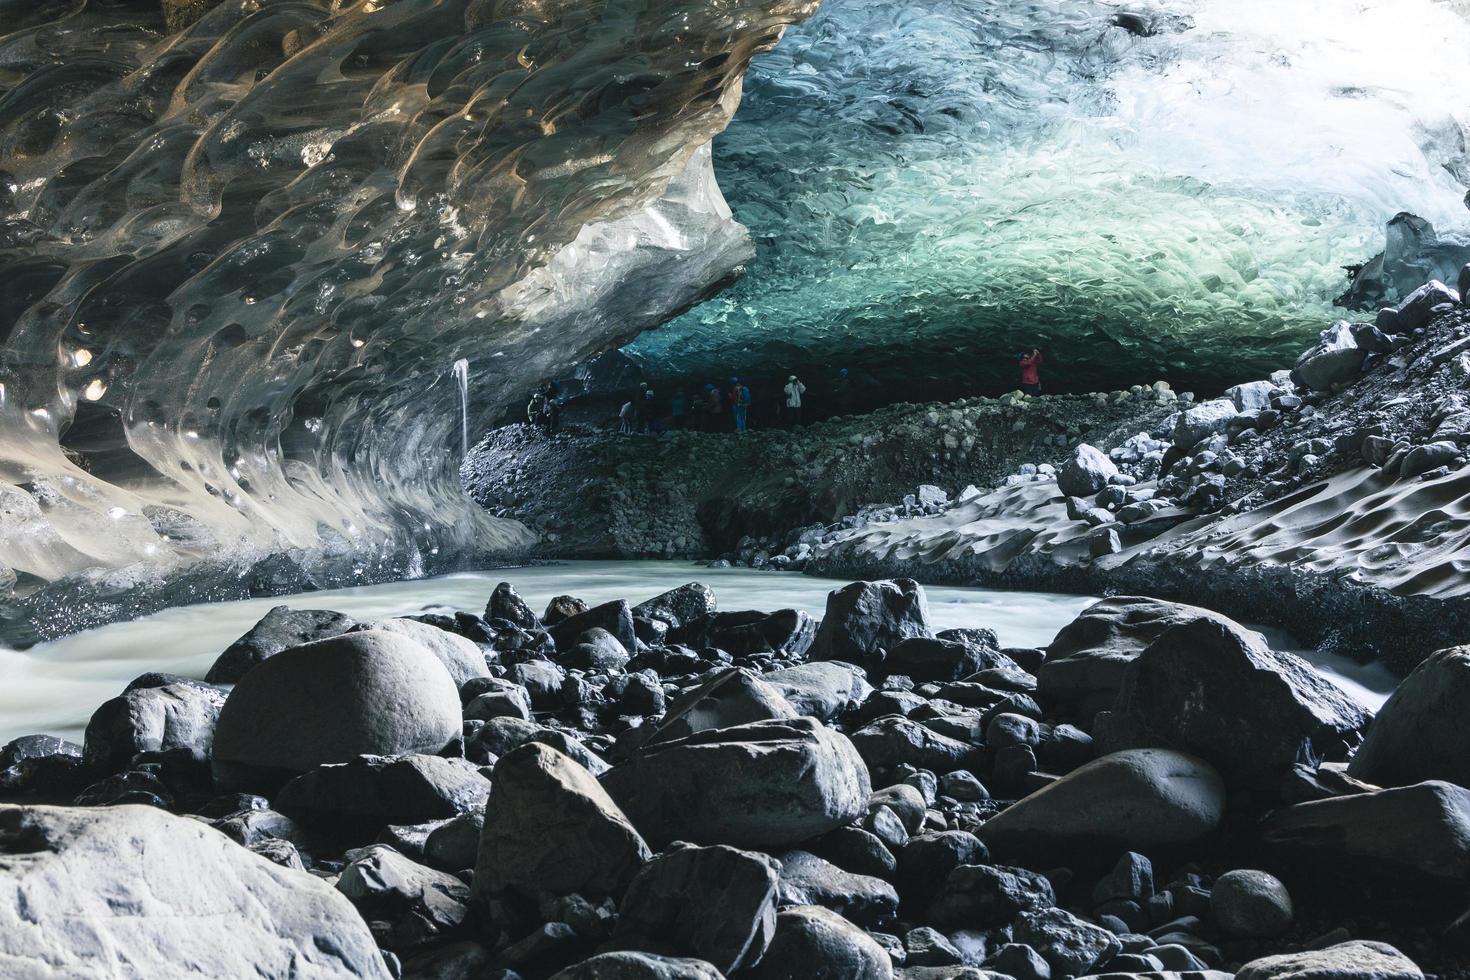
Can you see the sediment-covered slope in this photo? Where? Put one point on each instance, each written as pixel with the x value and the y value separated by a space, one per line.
pixel 239 261
pixel 1161 189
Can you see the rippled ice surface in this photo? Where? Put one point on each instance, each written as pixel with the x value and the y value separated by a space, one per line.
pixel 55 686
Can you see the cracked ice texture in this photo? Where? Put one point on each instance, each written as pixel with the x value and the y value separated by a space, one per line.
pixel 238 262
pixel 931 187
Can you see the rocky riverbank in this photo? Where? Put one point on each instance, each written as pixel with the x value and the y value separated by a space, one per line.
pixel 673 791
pixel 1325 499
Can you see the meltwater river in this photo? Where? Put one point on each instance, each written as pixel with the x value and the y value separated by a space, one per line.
pixel 54 687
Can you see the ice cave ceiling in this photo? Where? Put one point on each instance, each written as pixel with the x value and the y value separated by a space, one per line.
pixel 241 252
pixel 1148 190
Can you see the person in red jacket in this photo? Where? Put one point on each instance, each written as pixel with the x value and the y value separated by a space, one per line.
pixel 1031 372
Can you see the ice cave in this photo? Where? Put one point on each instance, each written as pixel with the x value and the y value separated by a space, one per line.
pixel 751 489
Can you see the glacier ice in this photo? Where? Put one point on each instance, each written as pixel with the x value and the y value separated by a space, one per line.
pixel 238 260
pixel 1151 190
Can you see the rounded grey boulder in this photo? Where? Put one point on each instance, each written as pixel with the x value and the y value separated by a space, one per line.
pixel 1135 800
pixel 134 891
pixel 814 942
pixel 369 693
pixel 460 656
pixel 1251 904
pixel 639 966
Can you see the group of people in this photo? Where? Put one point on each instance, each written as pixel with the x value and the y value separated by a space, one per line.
pixel 712 409
pixel 723 409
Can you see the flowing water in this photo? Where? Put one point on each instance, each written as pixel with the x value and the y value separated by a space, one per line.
pixel 461 371
pixel 54 687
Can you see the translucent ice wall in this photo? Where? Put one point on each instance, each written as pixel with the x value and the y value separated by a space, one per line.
pixel 1166 189
pixel 238 262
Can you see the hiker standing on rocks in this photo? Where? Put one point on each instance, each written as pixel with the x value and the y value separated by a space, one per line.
pixel 1031 372
pixel 739 403
pixel 536 409
pixel 794 390
pixel 626 416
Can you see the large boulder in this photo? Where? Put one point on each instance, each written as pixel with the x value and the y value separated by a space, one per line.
pixel 716 903
pixel 809 880
pixel 785 632
pixel 1070 945
pixel 1335 359
pixel 1195 425
pixel 639 966
pixel 1409 831
pixel 926 658
pixel 813 942
pixel 370 693
pixel 678 606
pixel 506 603
pixel 821 690
pixel 406 903
pixel 864 616
pixel 134 891
pixel 549 827
pixel 460 656
pixel 616 617
pixel 731 697
pixel 181 715
pixel 978 896
pixel 1086 472
pixel 894 740
pixel 1137 800
pixel 280 629
pixel 1420 732
pixel 373 791
pixel 1359 959
pixel 763 785
pixel 1086 661
pixel 43 765
pixel 1215 689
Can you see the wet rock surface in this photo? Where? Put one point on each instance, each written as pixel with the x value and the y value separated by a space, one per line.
pixel 771 815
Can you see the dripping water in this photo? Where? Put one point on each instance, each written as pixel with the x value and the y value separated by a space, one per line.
pixel 462 378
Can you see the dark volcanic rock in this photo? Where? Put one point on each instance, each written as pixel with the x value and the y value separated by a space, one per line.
pixel 280 629
pixel 1420 830
pixel 716 903
pixel 678 606
pixel 767 784
pixel 377 790
pixel 41 764
pixel 506 603
pixel 560 608
pixel 639 966
pixel 983 897
pixel 894 741
pixel 808 880
pixel 1136 800
pixel 785 632
pixel 83 891
pixel 1212 688
pixel 814 942
pixel 454 844
pixel 731 697
pixel 549 827
pixel 926 860
pixel 405 903
pixel 369 693
pixel 1356 960
pixel 615 617
pixel 152 719
pixel 1069 944
pixel 1251 904
pixel 864 616
pixel 1420 732
pixel 1085 664
pixel 929 659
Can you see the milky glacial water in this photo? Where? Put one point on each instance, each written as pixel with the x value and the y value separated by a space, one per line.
pixel 54 687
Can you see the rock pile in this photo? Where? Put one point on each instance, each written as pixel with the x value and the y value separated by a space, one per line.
pixel 669 790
